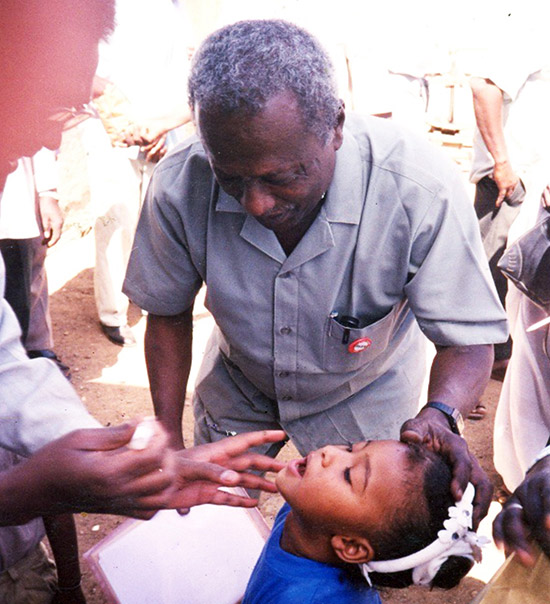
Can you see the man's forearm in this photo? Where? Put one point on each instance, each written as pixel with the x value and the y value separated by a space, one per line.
pixel 459 375
pixel 488 113
pixel 488 109
pixel 168 353
pixel 24 495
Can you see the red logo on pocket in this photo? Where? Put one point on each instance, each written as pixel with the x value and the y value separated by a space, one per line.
pixel 359 345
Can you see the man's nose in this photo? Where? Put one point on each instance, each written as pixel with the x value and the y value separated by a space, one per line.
pixel 255 199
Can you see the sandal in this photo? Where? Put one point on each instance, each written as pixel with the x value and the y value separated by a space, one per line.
pixel 478 412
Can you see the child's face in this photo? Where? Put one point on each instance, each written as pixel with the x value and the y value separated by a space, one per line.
pixel 349 487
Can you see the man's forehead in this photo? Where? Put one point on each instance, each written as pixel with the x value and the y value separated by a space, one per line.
pixel 269 134
pixel 281 109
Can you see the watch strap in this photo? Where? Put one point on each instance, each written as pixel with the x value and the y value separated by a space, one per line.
pixel 453 415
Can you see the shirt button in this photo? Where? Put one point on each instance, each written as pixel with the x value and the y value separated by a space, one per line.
pixel 285 330
pixel 286 397
pixel 283 374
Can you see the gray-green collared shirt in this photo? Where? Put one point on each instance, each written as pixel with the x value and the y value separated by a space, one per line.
pixel 396 246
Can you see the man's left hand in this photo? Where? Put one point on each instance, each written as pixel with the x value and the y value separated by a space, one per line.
pixel 436 435
pixel 202 470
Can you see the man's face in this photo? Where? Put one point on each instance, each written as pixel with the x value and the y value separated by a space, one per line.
pixel 36 92
pixel 349 488
pixel 270 163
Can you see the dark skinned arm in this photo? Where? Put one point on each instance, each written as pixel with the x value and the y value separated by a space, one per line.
pixel 459 375
pixel 168 354
pixel 526 516
pixel 90 470
pixel 458 378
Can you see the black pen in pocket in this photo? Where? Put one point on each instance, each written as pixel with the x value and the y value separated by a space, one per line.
pixel 349 323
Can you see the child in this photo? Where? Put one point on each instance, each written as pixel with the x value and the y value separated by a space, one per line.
pixel 349 508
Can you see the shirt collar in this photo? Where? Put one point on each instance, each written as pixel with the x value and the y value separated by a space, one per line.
pixel 344 201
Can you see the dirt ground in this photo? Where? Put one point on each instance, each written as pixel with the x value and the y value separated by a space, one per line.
pixel 112 381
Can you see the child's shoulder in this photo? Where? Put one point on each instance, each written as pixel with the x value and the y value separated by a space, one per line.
pixel 281 577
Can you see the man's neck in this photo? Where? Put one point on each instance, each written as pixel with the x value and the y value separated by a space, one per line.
pixel 290 239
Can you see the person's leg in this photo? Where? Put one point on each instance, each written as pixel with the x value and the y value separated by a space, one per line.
pixel 39 338
pixel 494 226
pixel 17 288
pixel 115 197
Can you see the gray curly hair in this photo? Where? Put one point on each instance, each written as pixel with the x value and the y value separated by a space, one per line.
pixel 242 66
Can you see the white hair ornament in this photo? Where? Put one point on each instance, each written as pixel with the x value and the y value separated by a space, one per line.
pixel 456 539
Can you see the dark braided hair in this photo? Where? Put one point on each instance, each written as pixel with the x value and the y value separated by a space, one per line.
pixel 412 528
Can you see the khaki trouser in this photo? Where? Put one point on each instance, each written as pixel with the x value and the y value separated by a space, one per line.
pixel 32 580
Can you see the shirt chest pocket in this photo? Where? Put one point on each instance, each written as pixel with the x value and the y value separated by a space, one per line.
pixel 347 348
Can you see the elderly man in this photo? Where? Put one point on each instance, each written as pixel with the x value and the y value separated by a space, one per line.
pixel 48 55
pixel 328 250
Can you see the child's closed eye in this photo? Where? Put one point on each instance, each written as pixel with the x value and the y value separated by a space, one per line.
pixel 347 475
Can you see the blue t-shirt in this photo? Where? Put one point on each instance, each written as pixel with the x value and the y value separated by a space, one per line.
pixel 280 577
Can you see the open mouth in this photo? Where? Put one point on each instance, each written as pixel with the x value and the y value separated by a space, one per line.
pixel 298 467
pixel 301 467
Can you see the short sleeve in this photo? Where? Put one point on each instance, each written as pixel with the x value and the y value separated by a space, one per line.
pixel 510 65
pixel 164 274
pixel 451 292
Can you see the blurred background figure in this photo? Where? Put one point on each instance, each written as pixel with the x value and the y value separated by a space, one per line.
pixel 140 99
pixel 31 222
pixel 511 90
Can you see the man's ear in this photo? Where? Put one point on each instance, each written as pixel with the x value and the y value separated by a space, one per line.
pixel 353 550
pixel 338 138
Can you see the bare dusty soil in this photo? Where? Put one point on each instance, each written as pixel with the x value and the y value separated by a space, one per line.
pixel 112 381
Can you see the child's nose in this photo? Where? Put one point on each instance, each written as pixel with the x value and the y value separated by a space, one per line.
pixel 329 454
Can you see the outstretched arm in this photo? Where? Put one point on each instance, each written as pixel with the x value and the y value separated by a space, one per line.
pixel 89 470
pixel 98 470
pixel 458 378
pixel 488 103
pixel 168 353
pixel 526 515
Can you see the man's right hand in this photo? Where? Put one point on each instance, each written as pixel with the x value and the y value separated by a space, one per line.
pixel 436 435
pixel 505 179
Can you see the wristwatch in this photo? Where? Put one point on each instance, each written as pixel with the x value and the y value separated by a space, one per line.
pixel 453 415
